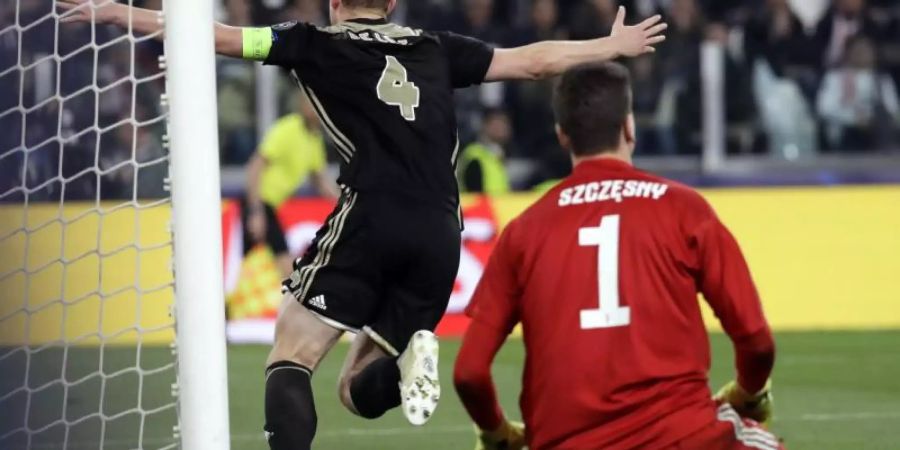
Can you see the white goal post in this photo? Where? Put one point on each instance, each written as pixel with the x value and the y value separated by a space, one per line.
pixel 196 201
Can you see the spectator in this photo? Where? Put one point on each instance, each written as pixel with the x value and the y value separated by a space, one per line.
pixel 858 102
pixel 432 14
pixel 9 40
pixel 724 10
pixel 127 75
pixel 775 34
pixel 844 21
pixel 647 8
pixel 889 52
pixel 476 20
pixel 268 12
pixel 151 164
pixel 237 127
pixel 592 19
pixel 543 25
pixel 529 103
pixel 310 11
pixel 680 54
pixel 116 89
pixel 481 168
pixel 655 133
pixel 238 12
pixel 514 13
pixel 10 156
pixel 79 146
pixel 679 61
pixel 134 164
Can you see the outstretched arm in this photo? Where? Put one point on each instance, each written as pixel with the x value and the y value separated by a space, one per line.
pixel 229 40
pixel 550 58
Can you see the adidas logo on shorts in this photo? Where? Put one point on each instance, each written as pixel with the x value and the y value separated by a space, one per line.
pixel 318 302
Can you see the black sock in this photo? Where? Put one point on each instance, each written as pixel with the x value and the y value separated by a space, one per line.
pixel 375 390
pixel 290 411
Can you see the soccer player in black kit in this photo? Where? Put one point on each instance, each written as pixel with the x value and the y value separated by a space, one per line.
pixel 384 263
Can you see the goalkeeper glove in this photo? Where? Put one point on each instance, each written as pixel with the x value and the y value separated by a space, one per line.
pixel 508 436
pixel 756 406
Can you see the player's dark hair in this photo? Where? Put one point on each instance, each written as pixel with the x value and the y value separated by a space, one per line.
pixel 592 103
pixel 382 4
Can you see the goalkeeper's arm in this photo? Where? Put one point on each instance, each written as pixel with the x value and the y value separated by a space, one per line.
pixel 728 288
pixel 550 58
pixel 472 377
pixel 230 41
pixel 754 360
pixel 750 394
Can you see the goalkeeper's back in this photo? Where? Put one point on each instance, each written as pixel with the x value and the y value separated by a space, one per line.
pixel 603 274
pixel 607 267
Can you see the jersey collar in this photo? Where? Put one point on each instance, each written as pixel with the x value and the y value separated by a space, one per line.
pixel 602 163
pixel 367 21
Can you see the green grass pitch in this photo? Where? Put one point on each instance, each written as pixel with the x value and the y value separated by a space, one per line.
pixel 833 390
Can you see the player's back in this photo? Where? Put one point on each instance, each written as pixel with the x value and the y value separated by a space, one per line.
pixel 384 94
pixel 617 350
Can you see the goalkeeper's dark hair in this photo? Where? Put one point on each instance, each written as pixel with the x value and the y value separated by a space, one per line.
pixel 371 4
pixel 592 103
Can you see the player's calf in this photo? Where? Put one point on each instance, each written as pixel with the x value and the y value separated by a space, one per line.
pixel 301 341
pixel 373 391
pixel 368 380
pixel 291 418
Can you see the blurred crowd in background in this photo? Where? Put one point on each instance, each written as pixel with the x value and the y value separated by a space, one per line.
pixel 80 109
pixel 802 78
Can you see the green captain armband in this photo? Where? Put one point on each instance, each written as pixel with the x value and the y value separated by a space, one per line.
pixel 257 43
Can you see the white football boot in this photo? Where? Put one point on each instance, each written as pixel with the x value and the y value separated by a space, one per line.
pixel 420 389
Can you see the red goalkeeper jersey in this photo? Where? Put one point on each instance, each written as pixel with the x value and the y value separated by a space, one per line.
pixel 604 273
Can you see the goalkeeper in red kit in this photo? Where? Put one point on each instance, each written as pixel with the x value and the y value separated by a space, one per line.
pixel 603 273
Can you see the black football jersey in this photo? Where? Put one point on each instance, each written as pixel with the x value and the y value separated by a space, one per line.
pixel 384 93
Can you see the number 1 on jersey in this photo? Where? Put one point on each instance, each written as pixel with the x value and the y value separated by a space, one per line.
pixel 610 313
pixel 395 89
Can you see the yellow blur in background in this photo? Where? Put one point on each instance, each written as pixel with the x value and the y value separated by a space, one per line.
pixel 85 275
pixel 822 258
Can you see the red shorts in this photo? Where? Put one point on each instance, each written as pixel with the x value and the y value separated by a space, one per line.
pixel 730 432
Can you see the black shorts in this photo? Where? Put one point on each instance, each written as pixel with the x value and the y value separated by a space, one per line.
pixel 380 261
pixel 274 234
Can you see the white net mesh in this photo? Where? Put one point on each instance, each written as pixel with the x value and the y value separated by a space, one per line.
pixel 85 248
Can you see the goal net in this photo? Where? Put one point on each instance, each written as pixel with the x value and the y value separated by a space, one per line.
pixel 87 356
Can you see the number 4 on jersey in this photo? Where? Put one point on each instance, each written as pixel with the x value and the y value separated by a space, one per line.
pixel 395 89
pixel 610 313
